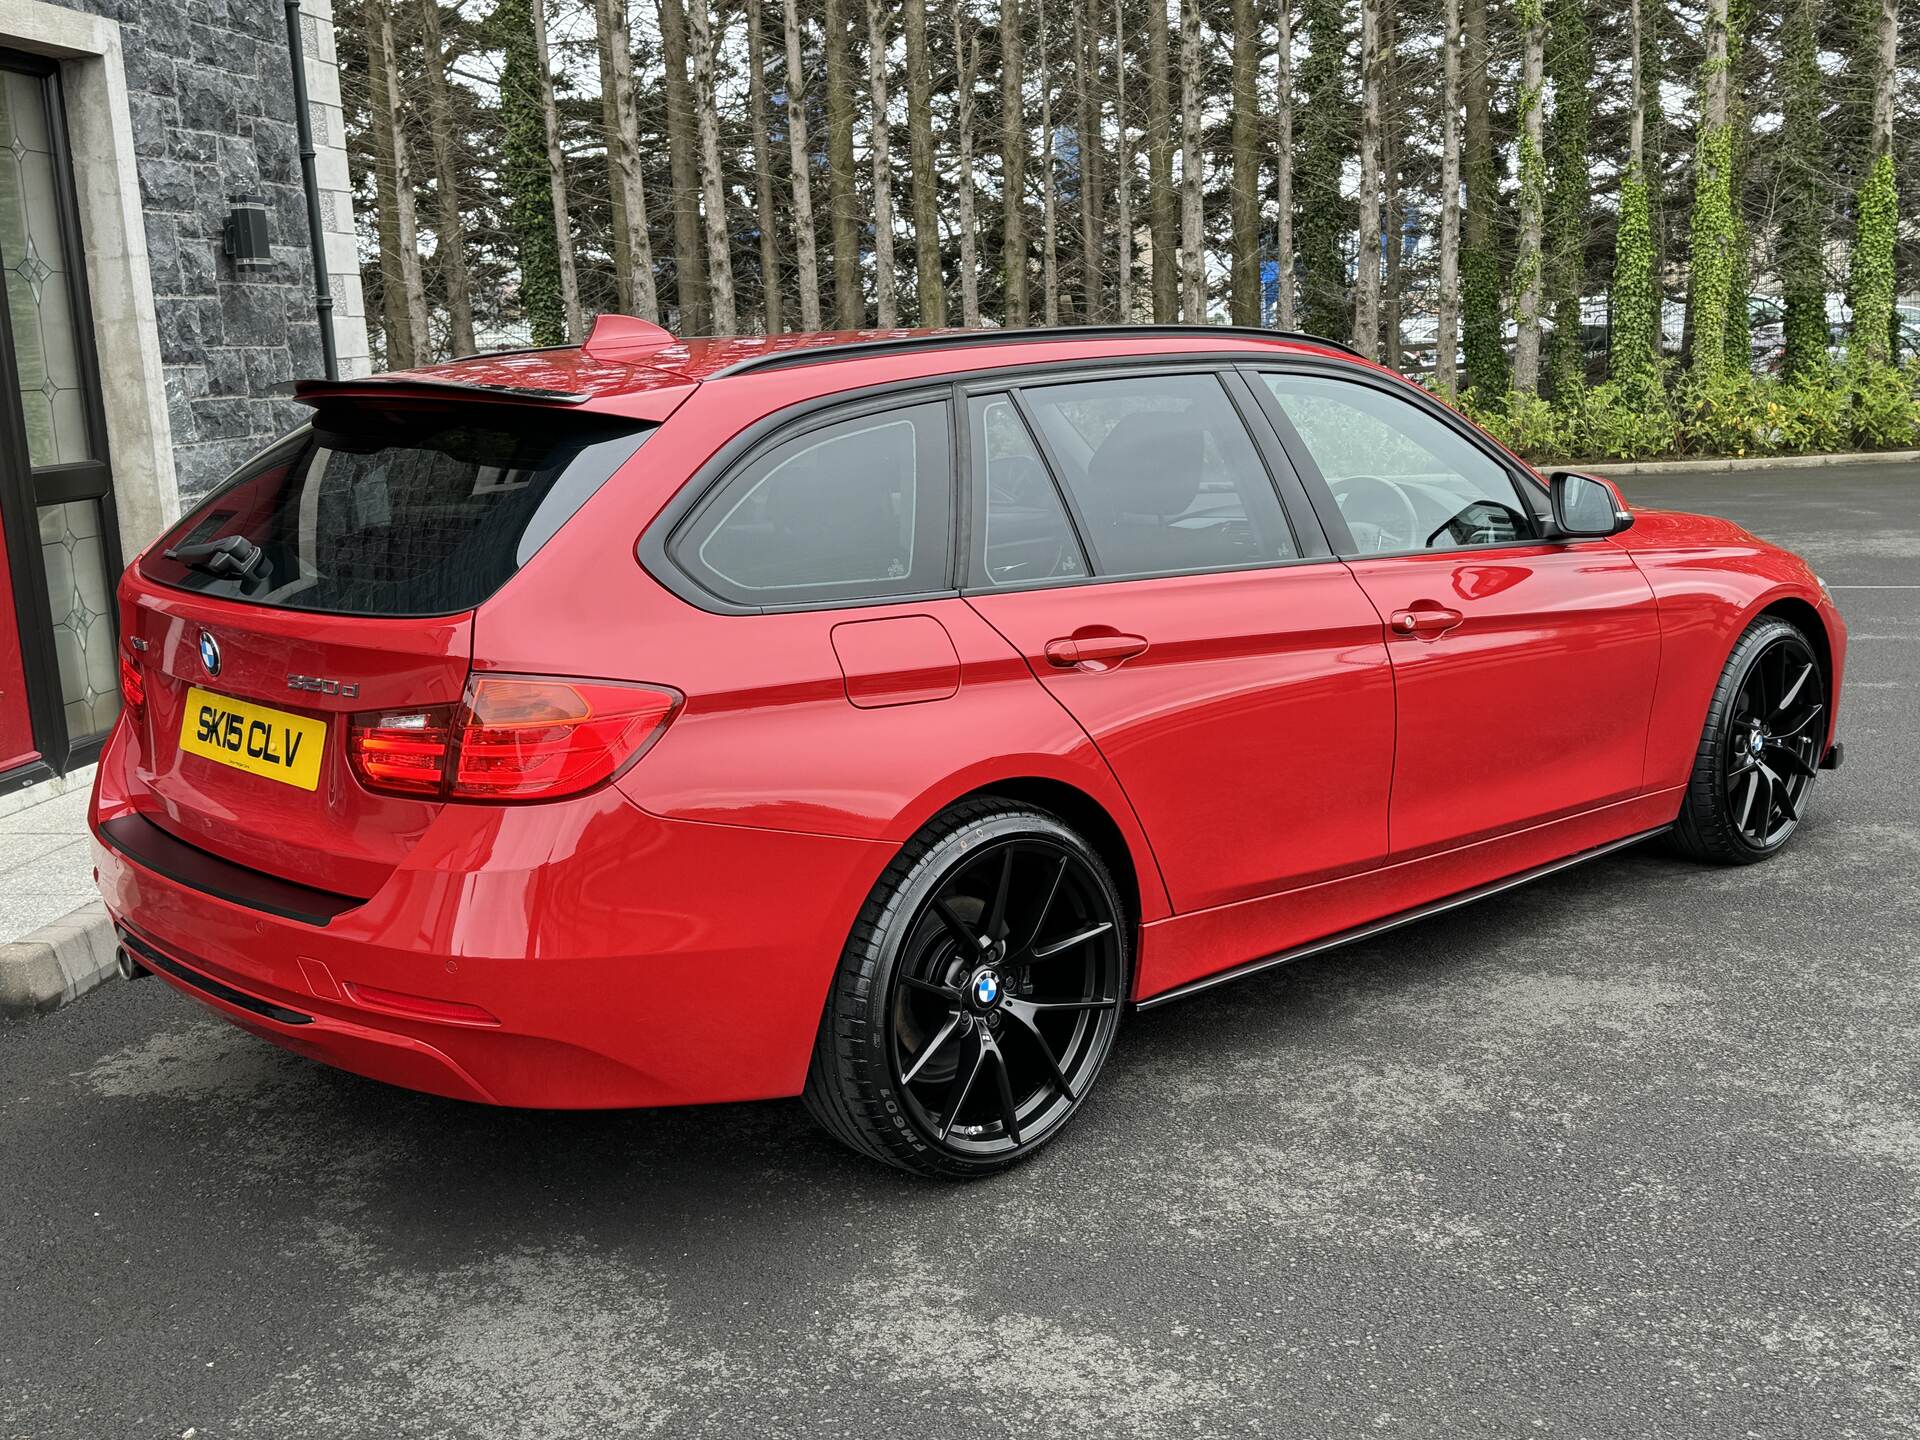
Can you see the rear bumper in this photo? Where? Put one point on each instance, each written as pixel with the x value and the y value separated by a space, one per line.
pixel 586 954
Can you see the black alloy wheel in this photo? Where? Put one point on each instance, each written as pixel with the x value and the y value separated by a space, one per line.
pixel 966 1036
pixel 1761 748
pixel 1772 744
pixel 1002 1010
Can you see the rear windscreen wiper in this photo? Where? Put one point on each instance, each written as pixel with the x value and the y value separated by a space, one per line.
pixel 231 555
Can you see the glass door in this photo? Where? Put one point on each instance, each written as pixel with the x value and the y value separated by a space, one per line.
pixel 56 486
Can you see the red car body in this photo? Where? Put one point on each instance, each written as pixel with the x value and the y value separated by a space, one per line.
pixel 1279 765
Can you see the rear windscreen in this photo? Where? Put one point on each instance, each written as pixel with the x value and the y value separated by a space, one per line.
pixel 423 511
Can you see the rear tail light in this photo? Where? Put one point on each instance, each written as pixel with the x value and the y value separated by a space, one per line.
pixel 133 687
pixel 404 752
pixel 511 738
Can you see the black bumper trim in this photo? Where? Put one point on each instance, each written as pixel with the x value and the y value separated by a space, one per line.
pixel 146 844
pixel 207 985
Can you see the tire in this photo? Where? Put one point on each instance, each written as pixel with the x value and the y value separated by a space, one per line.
pixel 1760 749
pixel 941 995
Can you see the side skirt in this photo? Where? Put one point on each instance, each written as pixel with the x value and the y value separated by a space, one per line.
pixel 1394 922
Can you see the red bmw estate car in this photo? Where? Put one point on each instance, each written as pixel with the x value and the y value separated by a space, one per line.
pixel 877 718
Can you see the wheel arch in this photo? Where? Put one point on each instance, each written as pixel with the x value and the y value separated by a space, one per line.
pixel 1805 617
pixel 1098 811
pixel 1086 815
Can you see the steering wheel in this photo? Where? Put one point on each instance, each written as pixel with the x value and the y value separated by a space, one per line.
pixel 1378 513
pixel 1484 522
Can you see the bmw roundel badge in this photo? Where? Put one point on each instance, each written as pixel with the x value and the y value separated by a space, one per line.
pixel 986 989
pixel 209 653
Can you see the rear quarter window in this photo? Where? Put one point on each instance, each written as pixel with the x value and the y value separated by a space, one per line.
pixel 423 511
pixel 853 509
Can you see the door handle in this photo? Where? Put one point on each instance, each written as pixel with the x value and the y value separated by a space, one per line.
pixel 1091 649
pixel 1425 618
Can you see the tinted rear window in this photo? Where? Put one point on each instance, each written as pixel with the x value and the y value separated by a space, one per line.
pixel 415 512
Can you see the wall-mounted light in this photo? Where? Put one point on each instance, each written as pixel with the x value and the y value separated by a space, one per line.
pixel 247 242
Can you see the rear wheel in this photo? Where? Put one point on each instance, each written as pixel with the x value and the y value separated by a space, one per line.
pixel 977 997
pixel 1759 750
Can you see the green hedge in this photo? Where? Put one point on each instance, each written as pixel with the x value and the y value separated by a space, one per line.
pixel 1848 407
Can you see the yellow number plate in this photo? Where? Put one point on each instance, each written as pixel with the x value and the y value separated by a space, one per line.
pixel 254 738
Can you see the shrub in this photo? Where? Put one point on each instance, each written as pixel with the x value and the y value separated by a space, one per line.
pixel 1728 414
pixel 1883 405
pixel 1866 405
pixel 1621 420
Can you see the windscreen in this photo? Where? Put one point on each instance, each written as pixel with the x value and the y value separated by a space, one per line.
pixel 409 511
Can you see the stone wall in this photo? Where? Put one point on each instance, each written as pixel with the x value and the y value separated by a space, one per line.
pixel 210 91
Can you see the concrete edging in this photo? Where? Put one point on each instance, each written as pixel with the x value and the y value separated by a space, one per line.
pixel 57 963
pixel 1721 464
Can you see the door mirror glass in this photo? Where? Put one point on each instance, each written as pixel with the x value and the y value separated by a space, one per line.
pixel 1584 505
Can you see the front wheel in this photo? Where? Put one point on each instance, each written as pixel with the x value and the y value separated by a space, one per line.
pixel 977 997
pixel 1759 750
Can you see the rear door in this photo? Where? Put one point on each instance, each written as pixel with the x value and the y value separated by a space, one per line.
pixel 336 574
pixel 1524 668
pixel 1130 541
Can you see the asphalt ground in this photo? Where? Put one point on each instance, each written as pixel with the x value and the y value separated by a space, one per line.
pixel 1633 1152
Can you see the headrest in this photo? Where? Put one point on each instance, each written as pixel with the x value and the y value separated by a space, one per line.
pixel 1149 464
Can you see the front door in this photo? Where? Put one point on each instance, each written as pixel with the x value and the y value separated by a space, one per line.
pixel 59 669
pixel 1523 669
pixel 1234 678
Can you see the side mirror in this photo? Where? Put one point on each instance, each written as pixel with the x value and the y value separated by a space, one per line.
pixel 1585 507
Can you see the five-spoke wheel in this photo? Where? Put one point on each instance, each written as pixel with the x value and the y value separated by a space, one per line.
pixel 978 999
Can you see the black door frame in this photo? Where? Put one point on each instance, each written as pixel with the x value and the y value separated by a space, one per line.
pixel 24 492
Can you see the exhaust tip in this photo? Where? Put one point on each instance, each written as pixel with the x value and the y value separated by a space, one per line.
pixel 130 968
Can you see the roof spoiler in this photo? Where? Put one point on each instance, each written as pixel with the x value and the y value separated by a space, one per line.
pixel 414 387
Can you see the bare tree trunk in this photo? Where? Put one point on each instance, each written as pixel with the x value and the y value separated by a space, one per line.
pixel 1366 279
pixel 1637 122
pixel 1049 180
pixel 1390 185
pixel 1446 370
pixel 1013 162
pixel 966 63
pixel 631 234
pixel 690 276
pixel 1123 179
pixel 1160 205
pixel 412 310
pixel 394 329
pixel 1092 220
pixel 763 165
pixel 1246 168
pixel 802 163
pixel 1886 54
pixel 713 185
pixel 1527 263
pixel 1193 259
pixel 623 288
pixel 1283 163
pixel 929 289
pixel 557 168
pixel 885 278
pixel 849 305
pixel 450 249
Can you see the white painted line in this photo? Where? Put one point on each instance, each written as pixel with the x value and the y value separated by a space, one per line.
pixel 1874 587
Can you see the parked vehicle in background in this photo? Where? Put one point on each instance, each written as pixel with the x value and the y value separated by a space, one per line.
pixel 1769 339
pixel 878 718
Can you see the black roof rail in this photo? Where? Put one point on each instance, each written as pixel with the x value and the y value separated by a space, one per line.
pixel 907 344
